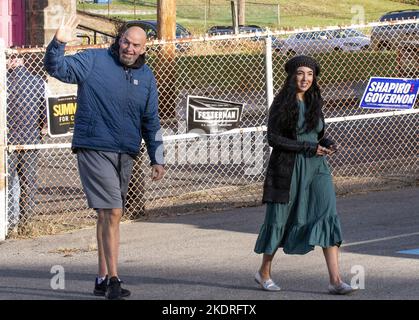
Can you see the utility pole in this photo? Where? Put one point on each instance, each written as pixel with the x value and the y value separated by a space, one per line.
pixel 166 19
pixel 234 16
pixel 241 9
pixel 205 16
pixel 209 9
pixel 165 73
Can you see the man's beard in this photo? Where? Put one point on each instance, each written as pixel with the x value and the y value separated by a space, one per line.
pixel 127 61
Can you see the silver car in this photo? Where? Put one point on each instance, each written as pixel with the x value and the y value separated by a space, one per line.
pixel 391 36
pixel 324 41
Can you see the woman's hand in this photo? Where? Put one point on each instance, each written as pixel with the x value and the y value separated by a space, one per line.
pixel 323 151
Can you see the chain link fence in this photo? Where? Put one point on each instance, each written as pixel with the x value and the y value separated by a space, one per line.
pixel 377 147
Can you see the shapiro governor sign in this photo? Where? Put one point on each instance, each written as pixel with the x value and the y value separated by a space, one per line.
pixel 390 93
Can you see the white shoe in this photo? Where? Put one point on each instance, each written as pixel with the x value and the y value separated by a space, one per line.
pixel 342 288
pixel 268 285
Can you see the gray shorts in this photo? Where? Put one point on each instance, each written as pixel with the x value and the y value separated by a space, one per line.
pixel 105 177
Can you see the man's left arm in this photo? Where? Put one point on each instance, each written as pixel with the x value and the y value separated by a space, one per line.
pixel 151 132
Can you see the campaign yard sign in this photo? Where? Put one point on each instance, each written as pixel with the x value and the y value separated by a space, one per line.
pixel 61 111
pixel 390 93
pixel 212 116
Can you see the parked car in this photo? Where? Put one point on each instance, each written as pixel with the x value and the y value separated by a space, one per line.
pixel 324 41
pixel 221 30
pixel 389 36
pixel 150 28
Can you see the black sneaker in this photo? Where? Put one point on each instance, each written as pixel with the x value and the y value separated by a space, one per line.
pixel 100 289
pixel 114 290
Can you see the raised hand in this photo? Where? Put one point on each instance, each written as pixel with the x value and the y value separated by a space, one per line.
pixel 65 31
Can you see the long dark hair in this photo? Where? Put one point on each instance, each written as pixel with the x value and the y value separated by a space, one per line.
pixel 284 109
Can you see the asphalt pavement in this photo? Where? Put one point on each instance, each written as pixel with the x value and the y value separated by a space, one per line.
pixel 209 256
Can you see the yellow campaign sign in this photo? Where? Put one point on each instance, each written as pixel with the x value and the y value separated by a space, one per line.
pixel 61 115
pixel 65 109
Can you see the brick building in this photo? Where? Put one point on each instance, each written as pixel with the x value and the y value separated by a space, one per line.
pixel 32 22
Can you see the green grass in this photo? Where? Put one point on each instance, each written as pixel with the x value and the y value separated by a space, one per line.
pixel 198 16
pixel 356 66
pixel 115 5
pixel 226 71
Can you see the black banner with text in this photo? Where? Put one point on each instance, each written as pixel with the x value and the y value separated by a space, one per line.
pixel 212 116
pixel 61 113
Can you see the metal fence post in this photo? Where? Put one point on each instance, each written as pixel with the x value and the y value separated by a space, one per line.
pixel 268 71
pixel 3 105
pixel 235 16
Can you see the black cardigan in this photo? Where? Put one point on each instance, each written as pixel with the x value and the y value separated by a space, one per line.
pixel 281 162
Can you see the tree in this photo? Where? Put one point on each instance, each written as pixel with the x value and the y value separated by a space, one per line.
pixel 241 10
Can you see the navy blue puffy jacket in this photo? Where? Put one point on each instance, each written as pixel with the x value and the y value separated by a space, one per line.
pixel 116 106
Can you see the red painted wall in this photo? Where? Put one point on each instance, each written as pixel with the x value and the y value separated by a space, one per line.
pixel 12 22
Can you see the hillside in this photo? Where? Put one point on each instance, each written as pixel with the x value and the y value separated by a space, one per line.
pixel 199 15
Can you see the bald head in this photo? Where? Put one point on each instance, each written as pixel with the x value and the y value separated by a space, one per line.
pixel 137 33
pixel 132 45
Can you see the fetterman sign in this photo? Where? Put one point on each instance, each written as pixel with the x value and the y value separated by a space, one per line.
pixel 212 116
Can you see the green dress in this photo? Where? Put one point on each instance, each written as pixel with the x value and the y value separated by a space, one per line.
pixel 310 217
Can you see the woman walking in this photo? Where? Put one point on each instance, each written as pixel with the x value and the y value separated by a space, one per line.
pixel 298 189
